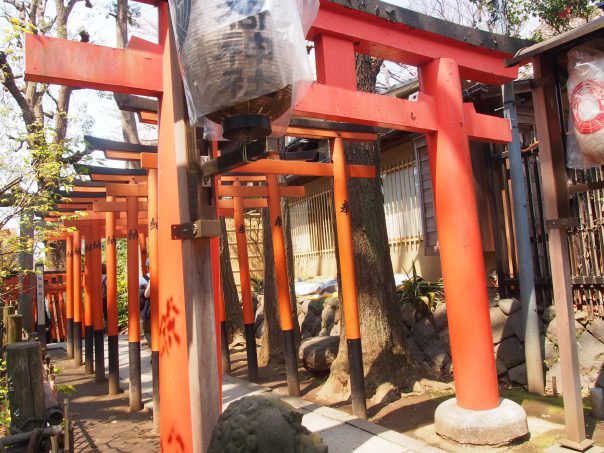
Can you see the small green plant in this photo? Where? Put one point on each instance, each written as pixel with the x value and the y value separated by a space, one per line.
pixel 423 295
pixel 4 409
pixel 66 389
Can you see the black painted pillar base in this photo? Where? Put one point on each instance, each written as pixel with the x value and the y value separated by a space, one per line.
pixel 89 350
pixel 357 378
pixel 70 338
pixel 77 343
pixel 155 375
pixel 252 356
pixel 134 365
pixel 224 348
pixel 114 365
pixel 99 357
pixel 291 363
pixel 41 331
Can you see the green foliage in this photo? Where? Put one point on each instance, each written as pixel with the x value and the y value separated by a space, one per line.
pixel 4 409
pixel 423 295
pixel 66 389
pixel 122 283
pixel 559 15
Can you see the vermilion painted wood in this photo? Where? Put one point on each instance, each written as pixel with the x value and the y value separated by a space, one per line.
pixel 249 203
pixel 334 55
pixel 111 263
pixel 148 117
pixel 153 258
pixel 258 191
pixel 397 42
pixel 85 65
pixel 333 103
pixel 290 167
pixel 77 276
pixel 276 219
pixel 69 276
pixel 461 253
pixel 96 276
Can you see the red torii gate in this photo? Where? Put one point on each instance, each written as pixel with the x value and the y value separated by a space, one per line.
pixel 339 31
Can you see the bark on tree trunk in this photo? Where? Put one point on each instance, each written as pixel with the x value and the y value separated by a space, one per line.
pixel 382 330
pixel 271 351
pixel 129 129
pixel 289 250
pixel 234 312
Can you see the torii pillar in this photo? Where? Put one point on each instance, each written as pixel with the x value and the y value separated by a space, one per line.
pixel 112 326
pixel 69 248
pixel 77 298
pixel 476 415
pixel 88 310
pixel 97 303
pixel 246 289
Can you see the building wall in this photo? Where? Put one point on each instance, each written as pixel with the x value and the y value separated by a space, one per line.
pixel 312 221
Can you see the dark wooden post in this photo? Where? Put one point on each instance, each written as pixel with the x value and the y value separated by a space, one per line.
pixel 25 385
pixel 15 329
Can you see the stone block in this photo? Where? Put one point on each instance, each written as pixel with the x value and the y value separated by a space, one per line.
pixel 591 354
pixel 440 317
pixel 509 306
pixel 518 374
pixel 510 352
pixel 436 354
pixel 596 328
pixel 423 331
pixel 499 324
pixel 549 313
pixel 318 353
pixel 496 427
pixel 501 368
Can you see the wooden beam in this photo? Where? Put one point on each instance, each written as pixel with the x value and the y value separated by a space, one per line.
pixel 340 104
pixel 148 160
pixel 486 128
pixel 258 191
pixel 116 206
pixel 127 190
pixel 322 134
pixel 85 65
pixel 281 167
pixel 88 189
pixel 412 45
pixel 148 117
pixel 248 203
pixel 103 144
pixel 118 178
pixel 131 103
pixel 122 155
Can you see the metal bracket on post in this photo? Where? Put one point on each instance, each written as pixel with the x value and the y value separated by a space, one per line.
pixel 196 230
pixel 565 224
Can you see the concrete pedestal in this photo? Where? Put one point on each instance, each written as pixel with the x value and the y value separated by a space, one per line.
pixel 498 426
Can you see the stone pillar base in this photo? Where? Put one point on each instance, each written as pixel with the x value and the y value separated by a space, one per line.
pixel 500 426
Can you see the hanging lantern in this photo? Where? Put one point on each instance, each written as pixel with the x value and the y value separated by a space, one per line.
pixel 585 86
pixel 242 61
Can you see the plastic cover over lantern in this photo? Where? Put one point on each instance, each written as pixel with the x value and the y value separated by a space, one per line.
pixel 243 59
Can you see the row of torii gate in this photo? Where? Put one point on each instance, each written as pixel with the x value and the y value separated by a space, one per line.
pixel 169 200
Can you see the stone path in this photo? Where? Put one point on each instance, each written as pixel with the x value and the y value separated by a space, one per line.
pixel 341 432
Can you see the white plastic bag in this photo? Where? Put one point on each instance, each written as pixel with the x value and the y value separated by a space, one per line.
pixel 585 85
pixel 241 56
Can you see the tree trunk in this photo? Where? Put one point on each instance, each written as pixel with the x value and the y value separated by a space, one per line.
pixel 271 351
pixel 234 311
pixel 129 129
pixel 289 251
pixel 382 328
